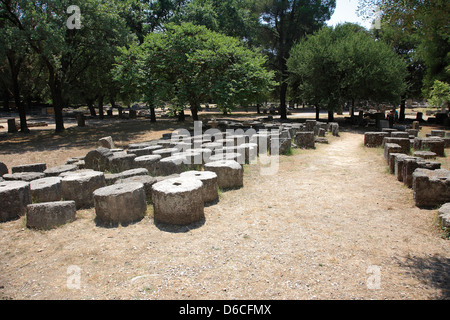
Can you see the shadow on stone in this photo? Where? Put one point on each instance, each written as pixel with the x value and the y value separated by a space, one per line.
pixel 111 225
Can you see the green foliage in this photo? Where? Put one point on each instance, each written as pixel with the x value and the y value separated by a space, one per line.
pixel 439 94
pixel 190 64
pixel 336 65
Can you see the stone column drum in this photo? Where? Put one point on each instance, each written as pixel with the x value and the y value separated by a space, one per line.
pixel 210 186
pixel 230 173
pixel 120 203
pixel 178 201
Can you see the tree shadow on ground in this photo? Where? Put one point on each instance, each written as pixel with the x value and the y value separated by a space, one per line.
pixel 432 271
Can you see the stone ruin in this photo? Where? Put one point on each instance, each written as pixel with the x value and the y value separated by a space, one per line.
pixel 409 159
pixel 178 174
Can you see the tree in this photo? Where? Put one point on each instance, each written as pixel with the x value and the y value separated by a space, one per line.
pixel 284 22
pixel 193 65
pixel 337 65
pixel 425 20
pixel 66 53
pixel 440 94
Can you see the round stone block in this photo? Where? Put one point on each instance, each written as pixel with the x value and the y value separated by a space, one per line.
pixel 24 176
pixel 80 187
pixel 49 215
pixel 14 198
pixel 148 162
pixel 33 167
pixel 230 173
pixel 166 152
pixel 171 165
pixel 210 186
pixel 147 181
pixel 56 171
pixel 178 201
pixel 46 189
pixel 227 155
pixel 120 203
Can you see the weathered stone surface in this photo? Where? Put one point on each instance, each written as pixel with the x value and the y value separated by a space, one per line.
pixel 24 176
pixel 147 181
pixel 411 164
pixel 391 148
pixel 392 157
pixel 279 146
pixel 321 140
pixel 98 159
pixel 204 153
pixel 444 215
pixel 166 152
pixel 80 187
pixel 46 189
pixel 210 186
pixel 433 144
pixel 106 142
pixel 14 198
pixel 144 151
pixel 3 169
pixel 230 173
pixel 404 143
pixel 438 133
pixel 399 166
pixel 56 171
pixel 34 167
pixel 412 132
pixel 399 134
pixel 120 162
pixel 178 201
pixel 310 124
pixel 120 203
pixel 305 140
pixel 49 215
pixel 111 178
pixel 374 139
pixel 227 155
pixel 334 127
pixel 431 187
pixel 148 162
pixel 425 154
pixel 171 165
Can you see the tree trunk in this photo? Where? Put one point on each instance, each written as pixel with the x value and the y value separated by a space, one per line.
pixel 283 92
pixel 401 116
pixel 330 115
pixel 152 114
pixel 15 68
pixel 90 104
pixel 6 100
pixel 258 106
pixel 181 116
pixel 194 110
pixel 317 113
pixel 56 94
pixel 100 107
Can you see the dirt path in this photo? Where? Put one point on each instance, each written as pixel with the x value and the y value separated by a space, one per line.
pixel 327 225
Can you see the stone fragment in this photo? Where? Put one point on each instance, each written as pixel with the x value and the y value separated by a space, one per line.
pixel 431 187
pixel 56 171
pixel 80 187
pixel 14 198
pixel 147 181
pixel 106 142
pixel 49 215
pixel 305 140
pixel 46 189
pixel 33 167
pixel 148 162
pixel 24 176
pixel 374 139
pixel 98 159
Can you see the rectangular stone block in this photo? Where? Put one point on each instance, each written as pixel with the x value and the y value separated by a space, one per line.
pixel 431 187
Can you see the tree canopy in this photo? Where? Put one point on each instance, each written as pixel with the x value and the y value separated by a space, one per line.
pixel 345 64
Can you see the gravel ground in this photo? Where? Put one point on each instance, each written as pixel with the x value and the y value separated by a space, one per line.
pixel 331 224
